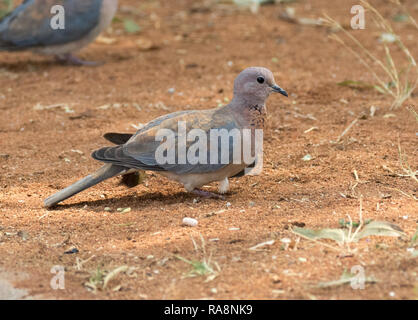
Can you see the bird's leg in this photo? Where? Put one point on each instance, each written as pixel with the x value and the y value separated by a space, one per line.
pixel 223 186
pixel 207 194
pixel 71 59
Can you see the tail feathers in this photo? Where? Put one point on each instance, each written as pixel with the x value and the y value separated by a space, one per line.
pixel 118 138
pixel 104 173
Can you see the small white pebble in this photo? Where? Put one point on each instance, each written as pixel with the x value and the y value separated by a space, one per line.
pixel 228 204
pixel 190 222
pixel 214 290
pixel 302 259
pixel 392 294
pixel 233 229
pixel 107 209
pixel 285 240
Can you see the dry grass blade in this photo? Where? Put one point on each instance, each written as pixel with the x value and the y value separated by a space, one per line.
pixel 399 83
pixel 113 274
pixel 346 278
pixel 403 162
pixel 414 113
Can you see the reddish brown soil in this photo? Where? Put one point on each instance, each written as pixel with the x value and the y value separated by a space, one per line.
pixel 195 44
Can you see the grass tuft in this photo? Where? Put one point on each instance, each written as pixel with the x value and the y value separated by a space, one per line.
pixel 390 79
pixel 204 266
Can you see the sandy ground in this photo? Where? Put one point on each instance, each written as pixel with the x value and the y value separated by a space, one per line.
pixel 198 49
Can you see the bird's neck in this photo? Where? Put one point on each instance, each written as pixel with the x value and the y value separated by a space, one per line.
pixel 249 113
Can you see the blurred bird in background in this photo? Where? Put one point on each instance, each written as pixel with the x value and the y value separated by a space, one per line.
pixel 36 25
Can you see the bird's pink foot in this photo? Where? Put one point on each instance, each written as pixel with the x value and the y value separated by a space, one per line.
pixel 207 194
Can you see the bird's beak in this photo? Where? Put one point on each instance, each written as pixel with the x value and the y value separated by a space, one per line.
pixel 276 88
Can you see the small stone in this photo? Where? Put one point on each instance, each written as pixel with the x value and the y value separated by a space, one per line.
pixel 71 251
pixel 308 157
pixel 190 222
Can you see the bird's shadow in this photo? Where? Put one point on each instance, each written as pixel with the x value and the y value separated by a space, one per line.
pixel 47 63
pixel 34 65
pixel 135 202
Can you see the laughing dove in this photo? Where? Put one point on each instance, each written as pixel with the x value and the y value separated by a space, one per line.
pixel 56 27
pixel 142 151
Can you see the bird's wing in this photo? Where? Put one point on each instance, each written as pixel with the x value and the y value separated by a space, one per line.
pixel 29 25
pixel 140 151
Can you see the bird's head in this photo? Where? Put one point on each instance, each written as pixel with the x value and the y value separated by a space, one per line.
pixel 255 84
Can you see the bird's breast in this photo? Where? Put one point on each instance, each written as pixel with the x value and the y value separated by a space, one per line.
pixel 257 115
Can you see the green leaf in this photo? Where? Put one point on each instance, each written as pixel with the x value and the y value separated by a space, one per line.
pixel 5 7
pixel 379 89
pixel 379 228
pixel 401 17
pixel 337 235
pixel 415 236
pixel 374 228
pixel 131 26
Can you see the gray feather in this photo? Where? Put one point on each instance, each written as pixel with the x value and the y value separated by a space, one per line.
pixel 104 173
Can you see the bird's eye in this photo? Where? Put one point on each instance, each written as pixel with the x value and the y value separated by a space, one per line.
pixel 260 80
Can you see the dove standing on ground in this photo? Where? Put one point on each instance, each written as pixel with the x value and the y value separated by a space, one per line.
pixel 247 110
pixel 28 27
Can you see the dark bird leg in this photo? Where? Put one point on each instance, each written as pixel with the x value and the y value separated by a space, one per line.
pixel 73 60
pixel 131 180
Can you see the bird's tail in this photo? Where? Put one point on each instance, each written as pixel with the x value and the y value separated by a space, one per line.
pixel 104 173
